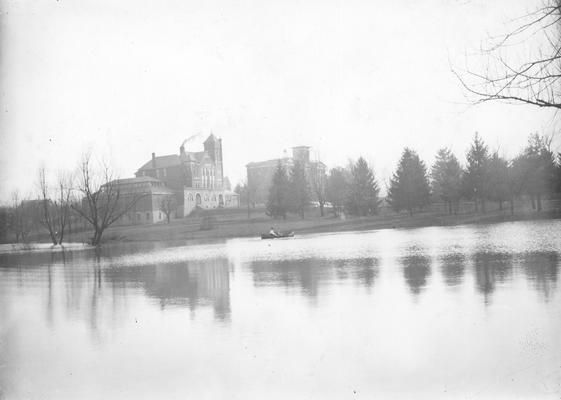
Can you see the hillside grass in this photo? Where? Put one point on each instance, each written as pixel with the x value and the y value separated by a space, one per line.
pixel 230 223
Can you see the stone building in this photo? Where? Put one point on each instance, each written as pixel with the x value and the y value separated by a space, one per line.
pixel 260 174
pixel 147 194
pixel 196 177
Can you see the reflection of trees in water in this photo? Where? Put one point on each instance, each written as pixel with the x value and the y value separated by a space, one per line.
pixel 190 284
pixel 416 270
pixel 366 270
pixel 308 273
pixel 10 359
pixel 453 267
pixel 305 273
pixel 491 268
pixel 541 269
pixel 75 278
pixel 83 288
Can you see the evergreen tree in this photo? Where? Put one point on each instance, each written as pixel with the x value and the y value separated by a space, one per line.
pixel 337 189
pixel 499 186
pixel 539 167
pixel 298 189
pixel 517 177
pixel 409 186
pixel 278 201
pixel 363 190
pixel 476 177
pixel 446 174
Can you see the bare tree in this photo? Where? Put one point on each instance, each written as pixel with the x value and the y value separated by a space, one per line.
pixel 532 79
pixel 55 205
pixel 102 203
pixel 168 204
pixel 4 223
pixel 22 217
pixel 319 186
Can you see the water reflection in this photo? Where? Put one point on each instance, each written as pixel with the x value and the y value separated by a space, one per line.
pixel 453 268
pixel 53 304
pixel 491 268
pixel 541 269
pixel 366 270
pixel 309 273
pixel 416 270
pixel 191 284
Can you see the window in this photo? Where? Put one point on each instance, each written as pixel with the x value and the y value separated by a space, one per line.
pixel 147 215
pixel 165 172
pixel 190 196
pixel 159 215
pixel 157 173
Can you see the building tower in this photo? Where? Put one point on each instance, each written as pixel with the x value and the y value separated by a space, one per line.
pixel 213 147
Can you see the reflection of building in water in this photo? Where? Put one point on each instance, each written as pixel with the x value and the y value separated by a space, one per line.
pixel 491 268
pixel 453 267
pixel 541 269
pixel 309 273
pixel 192 284
pixel 416 270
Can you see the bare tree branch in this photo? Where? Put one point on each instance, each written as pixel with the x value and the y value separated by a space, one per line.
pixel 534 81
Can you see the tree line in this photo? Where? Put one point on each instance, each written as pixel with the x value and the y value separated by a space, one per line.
pixel 89 197
pixel 486 177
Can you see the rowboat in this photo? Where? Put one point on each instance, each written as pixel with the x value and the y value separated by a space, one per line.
pixel 278 235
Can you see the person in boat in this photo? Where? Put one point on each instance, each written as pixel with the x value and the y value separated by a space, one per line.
pixel 272 232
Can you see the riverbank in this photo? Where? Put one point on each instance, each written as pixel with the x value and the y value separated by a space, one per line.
pixel 14 248
pixel 225 224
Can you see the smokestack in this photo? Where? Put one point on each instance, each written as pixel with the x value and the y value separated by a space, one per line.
pixel 153 160
pixel 182 149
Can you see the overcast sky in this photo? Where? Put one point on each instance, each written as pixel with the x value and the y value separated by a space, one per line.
pixel 130 77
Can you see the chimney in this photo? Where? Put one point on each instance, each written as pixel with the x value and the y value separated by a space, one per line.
pixel 182 151
pixel 153 160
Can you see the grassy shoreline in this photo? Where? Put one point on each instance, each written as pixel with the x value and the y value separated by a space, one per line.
pixel 227 224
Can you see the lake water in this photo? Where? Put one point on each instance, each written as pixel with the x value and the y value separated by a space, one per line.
pixel 446 312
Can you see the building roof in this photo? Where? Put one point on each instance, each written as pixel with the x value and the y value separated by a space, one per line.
pixel 162 162
pixel 270 163
pixel 210 138
pixel 140 179
pixel 142 184
pixel 175 159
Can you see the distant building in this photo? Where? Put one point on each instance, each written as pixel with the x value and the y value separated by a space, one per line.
pixel 196 178
pixel 260 174
pixel 149 193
